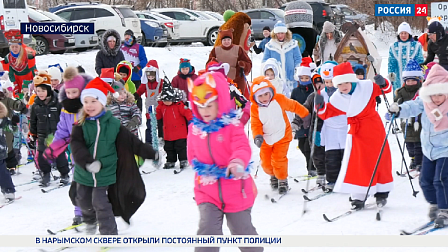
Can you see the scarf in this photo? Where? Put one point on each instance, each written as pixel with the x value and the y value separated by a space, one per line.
pixel 440 124
pixel 330 90
pixel 92 118
pixel 217 124
pixel 305 83
pixel 72 105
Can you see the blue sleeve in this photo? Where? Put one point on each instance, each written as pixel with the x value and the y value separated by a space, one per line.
pixel 262 44
pixel 419 56
pixel 297 56
pixel 412 108
pixel 142 57
pixel 393 64
pixel 267 54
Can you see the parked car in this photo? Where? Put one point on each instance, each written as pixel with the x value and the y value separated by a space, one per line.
pixel 215 15
pixel 339 17
pixel 12 13
pixel 351 14
pixel 321 12
pixel 83 42
pixel 153 33
pixel 118 17
pixel 171 25
pixel 55 43
pixel 192 28
pixel 264 17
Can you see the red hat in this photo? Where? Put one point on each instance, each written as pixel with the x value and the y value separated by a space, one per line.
pixel 98 89
pixel 14 36
pixel 343 73
pixel 107 74
pixel 306 67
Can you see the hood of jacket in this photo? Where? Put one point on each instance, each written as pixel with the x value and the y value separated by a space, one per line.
pixel 152 65
pixel 127 65
pixel 273 64
pixel 105 47
pixel 260 83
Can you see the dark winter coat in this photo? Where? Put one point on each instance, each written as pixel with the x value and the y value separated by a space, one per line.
pixel 128 192
pixel 44 117
pixel 175 118
pixel 11 105
pixel 180 81
pixel 403 94
pixel 4 126
pixel 300 94
pixel 440 48
pixel 309 104
pixel 106 57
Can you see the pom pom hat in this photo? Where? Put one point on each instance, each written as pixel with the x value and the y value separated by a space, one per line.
pixel 280 27
pixel 343 73
pixel 98 89
pixel 72 79
pixel 412 70
pixel 436 83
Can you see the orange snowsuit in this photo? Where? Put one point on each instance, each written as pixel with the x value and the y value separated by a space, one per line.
pixel 272 123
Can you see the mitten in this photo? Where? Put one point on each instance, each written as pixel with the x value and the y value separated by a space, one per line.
pixel 258 140
pixel 94 167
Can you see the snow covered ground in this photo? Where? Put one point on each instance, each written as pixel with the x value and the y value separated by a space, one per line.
pixel 170 210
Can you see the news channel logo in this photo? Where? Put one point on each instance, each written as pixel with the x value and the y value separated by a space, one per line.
pixel 401 10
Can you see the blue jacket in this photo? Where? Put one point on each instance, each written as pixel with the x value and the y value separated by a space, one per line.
pixel 137 56
pixel 263 43
pixel 434 144
pixel 288 55
pixel 399 55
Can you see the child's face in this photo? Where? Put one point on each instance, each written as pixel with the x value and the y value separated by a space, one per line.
pixel 269 74
pixel 41 93
pixel 168 103
pixel 92 106
pixel 54 82
pixel 329 83
pixel 304 78
pixel 264 98
pixel 360 76
pixel 185 70
pixel 123 75
pixel 226 42
pixel 150 76
pixel 266 33
pixel 438 99
pixel 411 82
pixel 15 48
pixel 122 96
pixel 345 87
pixel 210 112
pixel 72 93
pixel 25 90
pixel 320 85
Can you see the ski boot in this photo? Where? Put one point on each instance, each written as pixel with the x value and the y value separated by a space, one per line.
pixel 169 165
pixel 45 181
pixel 30 158
pixel 312 173
pixel 91 229
pixel 442 219
pixel 65 179
pixel 183 164
pixel 320 181
pixel 12 171
pixel 77 220
pixel 37 174
pixel 418 168
pixel 412 165
pixel 283 186
pixel 274 183
pixel 357 204
pixel 433 211
pixel 380 201
pixel 328 187
pixel 9 196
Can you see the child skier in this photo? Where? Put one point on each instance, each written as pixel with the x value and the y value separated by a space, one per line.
pixel 124 108
pixel 356 99
pixel 223 184
pixel 186 70
pixel 432 104
pixel 105 176
pixel 271 129
pixel 6 184
pixel 44 119
pixel 175 116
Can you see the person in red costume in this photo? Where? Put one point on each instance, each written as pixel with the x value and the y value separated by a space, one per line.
pixel 20 61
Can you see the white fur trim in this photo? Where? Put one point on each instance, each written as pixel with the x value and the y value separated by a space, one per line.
pixel 412 74
pixel 351 77
pixel 95 93
pixel 303 71
pixel 116 95
pixel 107 79
pixel 279 29
pixel 433 89
pixel 259 86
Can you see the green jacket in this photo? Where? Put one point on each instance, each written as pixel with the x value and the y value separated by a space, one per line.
pixel 403 94
pixel 106 151
pixel 129 85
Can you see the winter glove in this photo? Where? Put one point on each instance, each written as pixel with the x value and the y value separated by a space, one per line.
pixel 378 100
pixel 241 64
pixel 30 56
pixel 392 77
pixel 94 167
pixel 134 122
pixel 294 126
pixel 258 140
pixel 394 109
pixel 156 162
pixel 319 101
pixel 370 58
pixel 379 80
pixel 236 168
pixel 387 116
pixel 136 96
pixel 15 119
pixel 136 69
pixel 317 139
pixel 306 121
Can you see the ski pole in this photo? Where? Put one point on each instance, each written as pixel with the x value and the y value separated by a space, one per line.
pixel 405 133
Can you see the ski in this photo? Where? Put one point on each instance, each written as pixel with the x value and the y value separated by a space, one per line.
pixel 54 188
pixel 104 249
pixel 347 213
pixel 430 230
pixel 316 187
pixel 178 171
pixel 317 196
pixel 426 225
pixel 65 229
pixel 278 198
pixel 9 202
pixel 147 172
pixel 304 179
pixel 27 183
pixel 405 173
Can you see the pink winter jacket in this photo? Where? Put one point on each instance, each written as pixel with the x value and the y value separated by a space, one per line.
pixel 221 147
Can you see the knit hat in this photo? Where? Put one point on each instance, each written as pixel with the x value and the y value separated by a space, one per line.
pixel 343 73
pixel 360 69
pixel 42 78
pixel 412 70
pixel 280 27
pixel 14 36
pixel 97 88
pixel 299 14
pixel 267 28
pixel 55 73
pixel 404 27
pixel 305 68
pixel 129 32
pixel 226 34
pixel 435 83
pixel 168 92
pixel 328 27
pixel 72 79
pixel 326 70
pixel 184 63
pixel 118 85
pixel 107 74
pixel 316 78
pixel 26 84
pixel 437 28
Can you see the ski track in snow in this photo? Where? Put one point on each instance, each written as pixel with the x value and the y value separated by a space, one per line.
pixel 170 210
